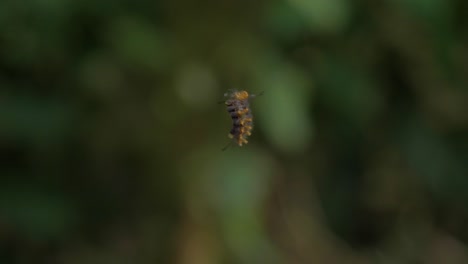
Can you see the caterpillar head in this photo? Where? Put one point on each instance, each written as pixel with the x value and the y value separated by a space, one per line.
pixel 241 95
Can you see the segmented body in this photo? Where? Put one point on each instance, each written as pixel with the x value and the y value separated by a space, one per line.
pixel 239 109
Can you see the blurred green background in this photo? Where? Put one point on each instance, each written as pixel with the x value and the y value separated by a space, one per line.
pixel 111 135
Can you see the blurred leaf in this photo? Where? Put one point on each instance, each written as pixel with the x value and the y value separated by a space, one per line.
pixel 140 43
pixel 35 213
pixel 330 16
pixel 285 21
pixel 35 121
pixel 436 163
pixel 434 12
pixel 349 91
pixel 283 109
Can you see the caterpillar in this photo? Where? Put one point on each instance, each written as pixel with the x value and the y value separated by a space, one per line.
pixel 238 107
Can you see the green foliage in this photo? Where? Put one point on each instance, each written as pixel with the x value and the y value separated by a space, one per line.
pixel 111 135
